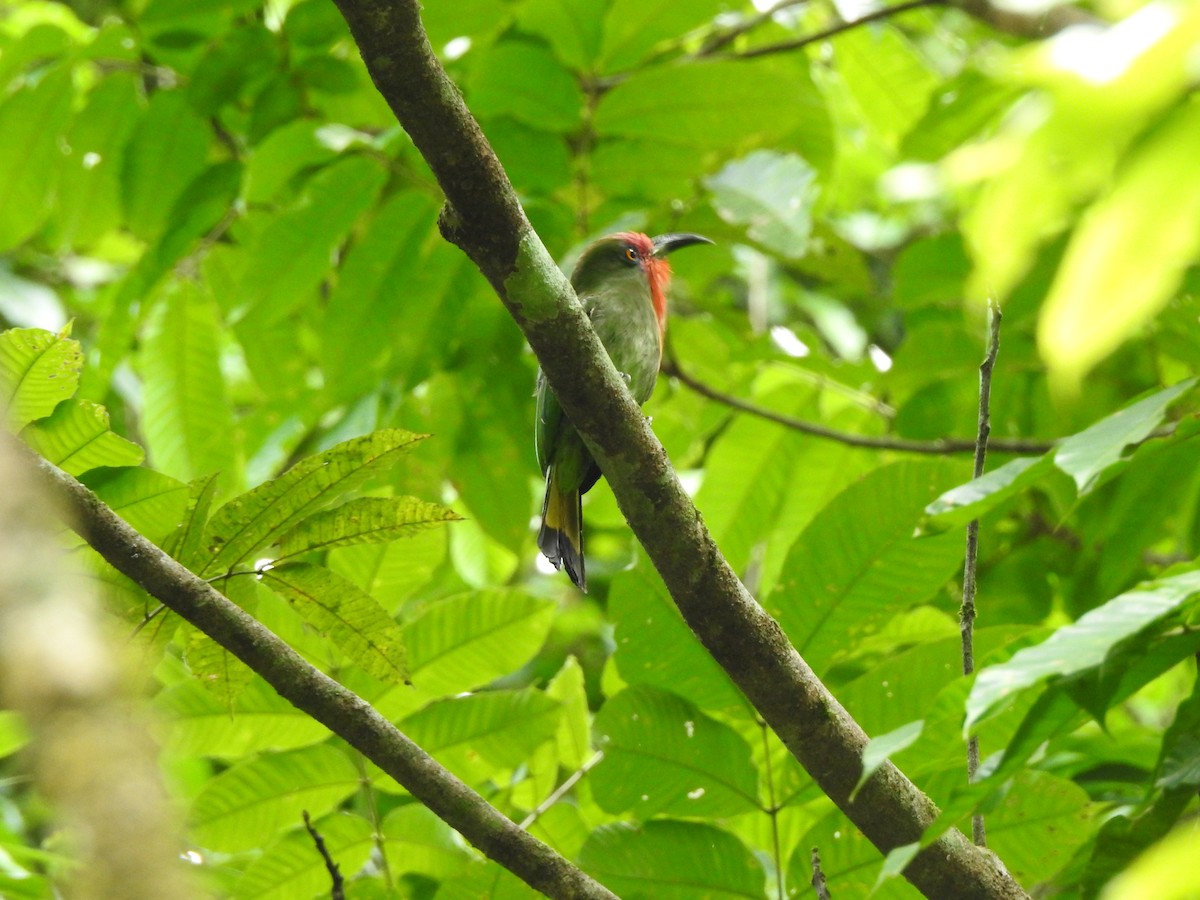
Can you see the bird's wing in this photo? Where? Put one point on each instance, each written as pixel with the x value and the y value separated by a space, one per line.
pixel 549 417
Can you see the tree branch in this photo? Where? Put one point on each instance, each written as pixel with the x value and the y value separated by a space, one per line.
pixel 484 218
pixel 940 447
pixel 971 563
pixel 833 30
pixel 312 691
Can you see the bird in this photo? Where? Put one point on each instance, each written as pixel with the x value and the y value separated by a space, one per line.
pixel 621 280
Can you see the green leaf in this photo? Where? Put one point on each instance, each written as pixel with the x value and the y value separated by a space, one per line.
pixel 885 746
pixel 848 571
pixel 245 805
pixel 290 868
pixel 468 641
pixel 523 80
pixel 960 505
pixel 14 733
pixel 391 572
pixel 352 618
pixel 187 541
pixel 31 120
pixel 572 28
pixel 187 420
pixel 772 194
pixel 214 668
pixel 1166 871
pixel 89 187
pixel 257 519
pixel 1180 765
pixel 294 252
pixel 286 152
pixel 364 324
pixel 365 520
pixel 1041 822
pixel 474 734
pixel 259 719
pixel 76 437
pixel 663 756
pixel 671 860
pixel 416 840
pixel 887 77
pixel 1098 299
pixel 655 647
pixel 711 105
pixel 38 370
pixel 151 502
pixel 1087 456
pixel 1080 646
pixel 633 28
pixel 168 148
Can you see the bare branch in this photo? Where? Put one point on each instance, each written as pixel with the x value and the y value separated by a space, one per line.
pixel 833 30
pixel 818 878
pixel 941 447
pixel 485 219
pixel 970 566
pixel 312 691
pixel 338 889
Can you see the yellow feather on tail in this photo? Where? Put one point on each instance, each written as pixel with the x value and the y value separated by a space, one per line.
pixel 561 536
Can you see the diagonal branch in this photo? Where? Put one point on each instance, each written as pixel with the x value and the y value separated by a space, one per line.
pixel 485 219
pixel 312 691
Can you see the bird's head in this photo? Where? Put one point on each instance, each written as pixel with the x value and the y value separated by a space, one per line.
pixel 632 254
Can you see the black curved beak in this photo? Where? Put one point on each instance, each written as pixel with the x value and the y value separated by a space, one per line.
pixel 668 243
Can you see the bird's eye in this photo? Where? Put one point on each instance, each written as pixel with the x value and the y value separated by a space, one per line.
pixel 631 255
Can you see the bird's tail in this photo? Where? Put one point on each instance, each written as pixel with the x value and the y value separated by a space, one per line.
pixel 561 536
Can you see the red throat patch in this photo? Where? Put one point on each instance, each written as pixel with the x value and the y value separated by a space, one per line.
pixel 658 274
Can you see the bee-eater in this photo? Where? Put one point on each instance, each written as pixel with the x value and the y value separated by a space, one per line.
pixel 622 281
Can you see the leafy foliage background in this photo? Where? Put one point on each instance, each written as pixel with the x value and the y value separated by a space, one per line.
pixel 245 244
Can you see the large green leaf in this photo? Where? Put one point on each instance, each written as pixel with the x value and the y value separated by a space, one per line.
pixel 187 419
pixel 573 28
pixel 960 505
pixel 524 81
pixel 391 572
pixel 237 809
pixel 416 840
pixel 168 148
pixel 633 28
pixel 352 618
pixel 848 571
pixel 772 195
pixel 89 187
pixel 151 502
pixel 1098 299
pixel 294 251
pixel 467 641
pixel 365 520
pixel 1082 645
pixel 290 868
pixel 887 78
pixel 262 516
pixel 476 733
pixel 712 105
pixel 31 120
pixel 663 756
pixel 671 860
pixel 38 369
pixel 200 725
pixel 76 437
pixel 1087 456
pixel 655 647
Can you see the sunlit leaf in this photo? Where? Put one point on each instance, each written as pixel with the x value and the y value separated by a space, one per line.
pixel 365 520
pixel 38 369
pixel 352 618
pixel 771 195
pixel 672 861
pixel 77 437
pixel 664 756
pixel 290 868
pixel 269 792
pixel 151 502
pixel 260 517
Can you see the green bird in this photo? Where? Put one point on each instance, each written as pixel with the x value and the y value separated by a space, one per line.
pixel 622 281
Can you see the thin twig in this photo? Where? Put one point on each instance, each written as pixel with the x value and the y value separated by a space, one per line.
pixel 724 38
pixel 967 613
pixel 559 792
pixel 338 891
pixel 940 447
pixel 833 30
pixel 818 879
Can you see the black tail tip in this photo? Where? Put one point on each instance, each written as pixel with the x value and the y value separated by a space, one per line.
pixel 557 548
